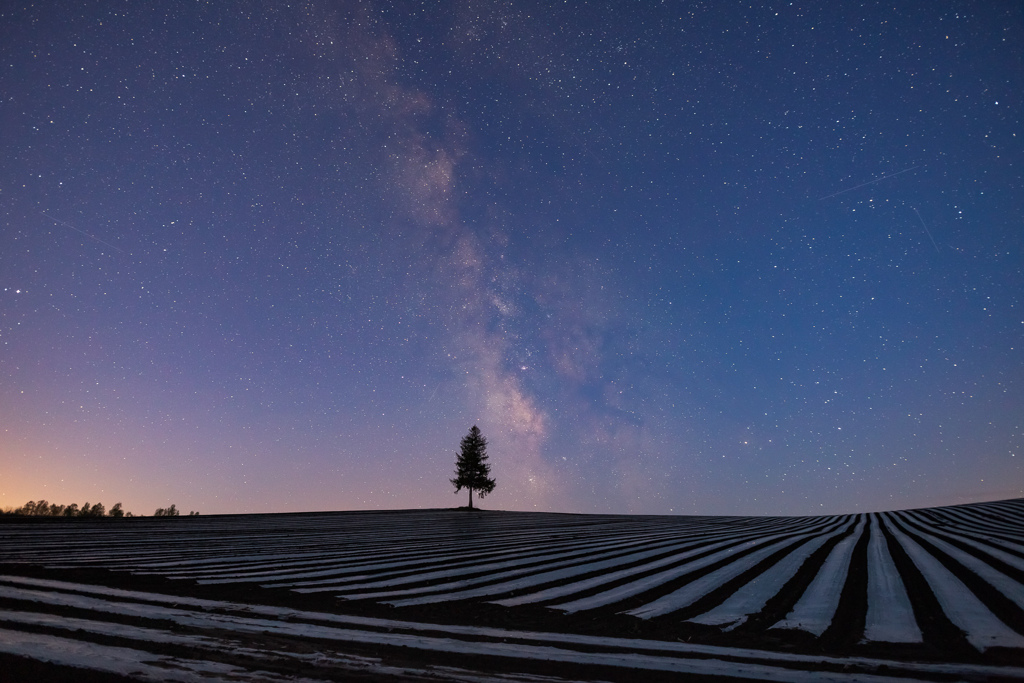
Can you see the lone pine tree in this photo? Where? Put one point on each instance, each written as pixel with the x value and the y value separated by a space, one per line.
pixel 471 468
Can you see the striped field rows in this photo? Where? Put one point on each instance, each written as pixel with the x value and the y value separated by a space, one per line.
pixel 894 587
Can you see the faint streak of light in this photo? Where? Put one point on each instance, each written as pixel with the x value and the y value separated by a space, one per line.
pixel 870 182
pixel 68 225
pixel 926 230
pixel 434 392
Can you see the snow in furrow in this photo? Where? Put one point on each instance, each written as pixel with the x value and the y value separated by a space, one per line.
pixel 593 582
pixel 233 549
pixel 1005 514
pixel 196 620
pixel 339 575
pixel 551 571
pixel 229 559
pixel 227 562
pixel 200 556
pixel 963 520
pixel 538 578
pixel 458 565
pixel 402 558
pixel 243 563
pixel 814 610
pixel 698 588
pixel 266 570
pixel 968 521
pixel 992 547
pixel 1009 511
pixel 752 597
pixel 258 564
pixel 140 663
pixel 149 666
pixel 129 662
pixel 646 583
pixel 890 617
pixel 982 628
pixel 111 629
pixel 234 554
pixel 507 569
pixel 555 574
pixel 1001 582
pixel 146 538
pixel 573 640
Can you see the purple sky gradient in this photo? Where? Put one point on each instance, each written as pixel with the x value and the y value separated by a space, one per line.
pixel 677 259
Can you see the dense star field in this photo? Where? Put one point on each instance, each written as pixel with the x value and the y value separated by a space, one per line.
pixel 679 258
pixel 934 595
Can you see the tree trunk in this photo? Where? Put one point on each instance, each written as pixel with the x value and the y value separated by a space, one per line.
pixel 471 499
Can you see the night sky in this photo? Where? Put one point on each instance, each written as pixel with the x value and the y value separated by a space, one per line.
pixel 678 258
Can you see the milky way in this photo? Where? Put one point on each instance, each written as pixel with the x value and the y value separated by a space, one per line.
pixel 695 259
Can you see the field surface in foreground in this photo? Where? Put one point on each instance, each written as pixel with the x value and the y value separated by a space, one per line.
pixel 934 595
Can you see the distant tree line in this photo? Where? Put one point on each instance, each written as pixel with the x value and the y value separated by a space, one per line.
pixel 42 508
pixel 172 512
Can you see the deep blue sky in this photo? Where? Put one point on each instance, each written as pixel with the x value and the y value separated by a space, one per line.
pixel 714 258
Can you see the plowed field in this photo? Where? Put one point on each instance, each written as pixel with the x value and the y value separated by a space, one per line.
pixel 935 594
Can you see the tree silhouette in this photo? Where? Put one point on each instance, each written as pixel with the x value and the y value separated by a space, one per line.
pixel 167 512
pixel 471 468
